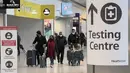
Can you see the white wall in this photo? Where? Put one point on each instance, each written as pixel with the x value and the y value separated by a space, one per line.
pixel 76 9
pixel 84 23
pixel 1 24
pixel 82 11
pixel 63 25
pixel 26 27
pixel 1 19
pixel 83 26
pixel 60 26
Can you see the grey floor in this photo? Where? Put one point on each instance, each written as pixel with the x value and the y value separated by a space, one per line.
pixel 58 68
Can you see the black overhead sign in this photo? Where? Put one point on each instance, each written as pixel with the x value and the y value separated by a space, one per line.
pixel 5 4
pixel 2 10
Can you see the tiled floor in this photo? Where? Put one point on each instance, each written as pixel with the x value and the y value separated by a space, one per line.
pixel 58 68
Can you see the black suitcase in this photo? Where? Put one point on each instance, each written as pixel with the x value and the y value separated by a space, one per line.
pixel 70 56
pixel 31 58
pixel 74 58
pixel 78 56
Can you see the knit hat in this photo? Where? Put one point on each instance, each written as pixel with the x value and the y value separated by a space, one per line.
pixel 39 32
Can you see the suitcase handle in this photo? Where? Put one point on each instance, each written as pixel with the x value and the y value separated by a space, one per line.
pixel 33 47
pixel 29 58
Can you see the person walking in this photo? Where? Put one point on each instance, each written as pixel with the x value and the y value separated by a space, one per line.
pixel 72 39
pixel 18 43
pixel 51 50
pixel 61 42
pixel 82 39
pixel 40 42
pixel 22 48
pixel 77 38
pixel 55 38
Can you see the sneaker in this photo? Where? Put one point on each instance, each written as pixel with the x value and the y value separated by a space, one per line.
pixel 37 65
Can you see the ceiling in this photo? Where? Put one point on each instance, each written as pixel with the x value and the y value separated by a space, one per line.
pixel 83 2
pixel 80 2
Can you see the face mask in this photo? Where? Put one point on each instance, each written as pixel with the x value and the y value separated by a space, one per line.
pixel 61 35
pixel 51 38
pixel 73 33
pixel 36 34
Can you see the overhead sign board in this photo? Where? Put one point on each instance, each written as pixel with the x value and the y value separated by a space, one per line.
pixel 107 32
pixel 29 10
pixel 2 10
pixel 32 10
pixel 8 49
pixel 47 12
pixel 8 4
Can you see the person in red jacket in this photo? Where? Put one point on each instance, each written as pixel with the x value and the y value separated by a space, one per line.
pixel 51 50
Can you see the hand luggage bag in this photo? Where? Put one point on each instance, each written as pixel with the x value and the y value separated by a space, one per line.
pixel 42 61
pixel 31 57
pixel 74 58
pixel 81 56
pixel 78 56
pixel 70 56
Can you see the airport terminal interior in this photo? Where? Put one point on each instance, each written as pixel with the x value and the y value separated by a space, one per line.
pixel 57 20
pixel 61 16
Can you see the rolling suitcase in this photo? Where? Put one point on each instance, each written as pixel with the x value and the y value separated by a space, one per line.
pixel 70 56
pixel 42 62
pixel 78 56
pixel 31 58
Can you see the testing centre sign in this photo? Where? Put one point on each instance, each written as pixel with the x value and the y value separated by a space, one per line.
pixel 107 32
pixel 8 49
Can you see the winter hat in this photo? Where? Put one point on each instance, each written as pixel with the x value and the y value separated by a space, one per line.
pixel 39 32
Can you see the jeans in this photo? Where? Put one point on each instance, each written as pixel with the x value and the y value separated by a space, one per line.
pixel 52 61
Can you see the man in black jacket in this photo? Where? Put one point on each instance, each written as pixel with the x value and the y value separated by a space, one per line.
pixel 61 42
pixel 82 39
pixel 40 42
pixel 73 38
pixel 18 43
pixel 56 37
